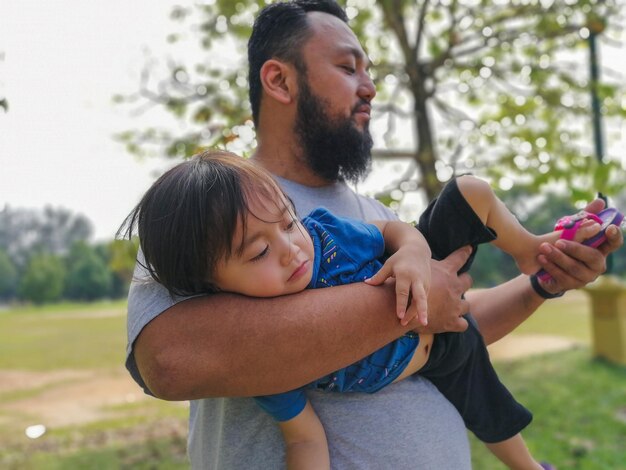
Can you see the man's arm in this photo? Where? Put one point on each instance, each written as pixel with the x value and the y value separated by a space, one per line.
pixel 501 309
pixel 231 345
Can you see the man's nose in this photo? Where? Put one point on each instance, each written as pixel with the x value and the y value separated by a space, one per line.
pixel 367 89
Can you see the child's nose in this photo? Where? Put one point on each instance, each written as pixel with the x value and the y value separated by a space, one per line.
pixel 290 250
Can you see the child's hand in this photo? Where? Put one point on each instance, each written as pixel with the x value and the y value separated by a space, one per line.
pixel 410 267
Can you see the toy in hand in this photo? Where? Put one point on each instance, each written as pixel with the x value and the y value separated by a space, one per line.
pixel 570 224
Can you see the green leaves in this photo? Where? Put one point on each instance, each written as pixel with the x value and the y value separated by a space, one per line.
pixel 497 88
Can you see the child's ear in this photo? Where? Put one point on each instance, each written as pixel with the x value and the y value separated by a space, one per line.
pixel 279 80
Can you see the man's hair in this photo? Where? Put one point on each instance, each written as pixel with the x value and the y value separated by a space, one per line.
pixel 188 218
pixel 279 32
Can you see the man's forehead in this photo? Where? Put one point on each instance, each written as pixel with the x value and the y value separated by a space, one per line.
pixel 330 29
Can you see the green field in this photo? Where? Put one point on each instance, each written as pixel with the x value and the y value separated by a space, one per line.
pixel 579 404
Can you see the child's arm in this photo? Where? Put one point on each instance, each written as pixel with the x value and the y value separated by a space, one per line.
pixel 305 441
pixel 409 265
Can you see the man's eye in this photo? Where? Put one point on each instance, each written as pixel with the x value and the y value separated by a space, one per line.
pixel 261 255
pixel 348 69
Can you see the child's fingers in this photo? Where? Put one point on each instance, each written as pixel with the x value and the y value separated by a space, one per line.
pixel 420 299
pixel 380 277
pixel 403 290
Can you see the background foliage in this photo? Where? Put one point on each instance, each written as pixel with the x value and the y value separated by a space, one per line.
pixel 500 88
pixel 45 256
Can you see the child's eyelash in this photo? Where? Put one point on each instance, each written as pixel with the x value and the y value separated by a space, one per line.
pixel 261 255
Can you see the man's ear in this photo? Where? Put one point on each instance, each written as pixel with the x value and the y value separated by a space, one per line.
pixel 278 80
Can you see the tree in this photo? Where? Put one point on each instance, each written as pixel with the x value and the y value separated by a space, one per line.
pixel 8 277
pixel 121 255
pixel 52 230
pixel 88 277
pixel 495 87
pixel 43 280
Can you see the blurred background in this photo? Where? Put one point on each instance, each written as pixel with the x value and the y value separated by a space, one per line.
pixel 97 99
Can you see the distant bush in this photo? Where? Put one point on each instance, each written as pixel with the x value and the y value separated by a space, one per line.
pixel 44 279
pixel 8 276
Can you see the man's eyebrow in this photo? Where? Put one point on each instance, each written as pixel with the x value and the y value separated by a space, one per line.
pixel 356 53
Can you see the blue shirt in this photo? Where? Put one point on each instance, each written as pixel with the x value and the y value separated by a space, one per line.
pixel 346 251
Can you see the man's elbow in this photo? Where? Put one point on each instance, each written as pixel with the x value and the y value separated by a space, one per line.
pixel 161 377
pixel 168 377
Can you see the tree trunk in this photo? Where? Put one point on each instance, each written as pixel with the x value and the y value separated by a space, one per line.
pixel 425 154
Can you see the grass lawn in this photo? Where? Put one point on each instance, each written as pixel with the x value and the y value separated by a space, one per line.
pixel 63 336
pixel 579 404
pixel 579 408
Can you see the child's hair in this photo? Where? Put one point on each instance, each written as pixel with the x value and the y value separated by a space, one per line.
pixel 187 220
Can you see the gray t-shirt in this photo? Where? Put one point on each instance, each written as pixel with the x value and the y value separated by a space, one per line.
pixel 407 425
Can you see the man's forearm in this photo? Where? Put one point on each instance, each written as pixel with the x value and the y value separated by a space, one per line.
pixel 501 309
pixel 229 345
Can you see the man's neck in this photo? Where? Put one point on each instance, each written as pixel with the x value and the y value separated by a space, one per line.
pixel 285 163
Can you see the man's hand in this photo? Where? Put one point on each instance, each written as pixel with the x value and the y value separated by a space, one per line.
pixel 445 302
pixel 573 265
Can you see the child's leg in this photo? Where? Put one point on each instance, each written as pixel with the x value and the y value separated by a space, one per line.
pixel 514 454
pixel 513 238
pixel 449 222
pixel 459 367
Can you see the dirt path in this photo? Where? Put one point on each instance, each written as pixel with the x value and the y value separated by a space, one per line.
pixel 518 346
pixel 69 397
pixel 65 397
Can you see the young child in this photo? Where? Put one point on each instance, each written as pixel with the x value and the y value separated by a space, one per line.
pixel 219 223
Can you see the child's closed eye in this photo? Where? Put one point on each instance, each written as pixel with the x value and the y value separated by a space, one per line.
pixel 261 255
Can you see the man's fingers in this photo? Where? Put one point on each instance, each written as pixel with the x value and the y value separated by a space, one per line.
pixel 466 282
pixel 595 206
pixel 585 262
pixel 458 258
pixel 460 324
pixel 614 240
pixel 571 264
pixel 615 237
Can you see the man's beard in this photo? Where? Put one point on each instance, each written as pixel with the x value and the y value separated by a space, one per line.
pixel 334 148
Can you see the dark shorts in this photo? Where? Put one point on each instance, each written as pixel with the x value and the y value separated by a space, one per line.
pixel 459 364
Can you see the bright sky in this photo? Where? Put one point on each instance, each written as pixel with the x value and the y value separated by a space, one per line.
pixel 63 61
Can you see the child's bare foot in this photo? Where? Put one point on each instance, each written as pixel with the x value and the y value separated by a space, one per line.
pixel 527 259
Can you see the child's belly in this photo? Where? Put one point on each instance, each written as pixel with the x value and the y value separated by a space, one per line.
pixel 420 356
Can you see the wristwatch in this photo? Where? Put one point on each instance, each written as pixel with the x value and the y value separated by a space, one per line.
pixel 541 292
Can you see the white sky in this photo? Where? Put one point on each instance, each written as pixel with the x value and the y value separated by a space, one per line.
pixel 63 61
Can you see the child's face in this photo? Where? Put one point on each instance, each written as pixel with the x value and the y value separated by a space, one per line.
pixel 277 256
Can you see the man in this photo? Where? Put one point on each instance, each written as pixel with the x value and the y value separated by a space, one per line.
pixel 310 94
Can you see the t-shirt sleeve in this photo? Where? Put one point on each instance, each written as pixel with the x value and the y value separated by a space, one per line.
pixel 147 299
pixel 283 406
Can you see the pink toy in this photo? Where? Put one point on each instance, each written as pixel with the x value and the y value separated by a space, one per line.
pixel 570 224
